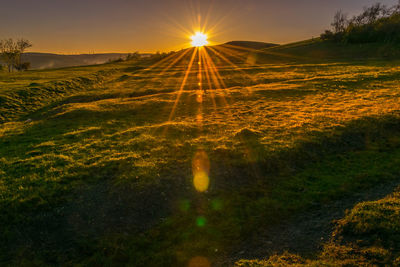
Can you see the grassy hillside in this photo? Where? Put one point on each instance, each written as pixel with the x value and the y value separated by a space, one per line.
pixel 318 51
pixel 53 61
pixel 367 236
pixel 251 45
pixel 97 163
pixel 23 93
pixel 309 51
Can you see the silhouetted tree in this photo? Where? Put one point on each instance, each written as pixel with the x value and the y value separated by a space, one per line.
pixel 327 35
pixel 370 15
pixel 23 66
pixel 22 45
pixel 11 52
pixel 8 50
pixel 340 22
pixel 396 8
pixel 376 23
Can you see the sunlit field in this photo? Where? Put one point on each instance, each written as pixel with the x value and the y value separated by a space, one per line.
pixel 185 160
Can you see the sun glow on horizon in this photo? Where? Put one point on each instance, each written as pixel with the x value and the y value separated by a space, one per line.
pixel 199 39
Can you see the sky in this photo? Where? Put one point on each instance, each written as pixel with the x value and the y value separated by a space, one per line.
pixel 100 26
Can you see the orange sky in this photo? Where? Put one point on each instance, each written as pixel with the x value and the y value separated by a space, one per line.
pixel 87 26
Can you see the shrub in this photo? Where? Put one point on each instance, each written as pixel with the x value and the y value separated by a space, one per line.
pixel 375 24
pixel 23 66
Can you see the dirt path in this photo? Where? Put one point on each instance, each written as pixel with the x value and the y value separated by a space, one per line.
pixel 304 234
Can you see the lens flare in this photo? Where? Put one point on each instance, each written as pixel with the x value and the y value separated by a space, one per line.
pixel 201 170
pixel 199 39
pixel 201 181
pixel 201 221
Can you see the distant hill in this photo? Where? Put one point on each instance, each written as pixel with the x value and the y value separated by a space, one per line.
pixel 316 50
pixel 252 45
pixel 308 51
pixel 50 61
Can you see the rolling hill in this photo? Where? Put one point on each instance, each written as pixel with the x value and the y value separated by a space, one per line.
pixel 245 155
pixel 315 50
pixel 252 45
pixel 54 61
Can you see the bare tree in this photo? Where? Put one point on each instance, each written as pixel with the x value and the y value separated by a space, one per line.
pixel 11 52
pixel 375 12
pixel 340 22
pixel 396 8
pixel 371 14
pixel 22 45
pixel 371 25
pixel 8 50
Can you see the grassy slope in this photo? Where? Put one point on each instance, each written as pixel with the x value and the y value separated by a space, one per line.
pixel 98 165
pixel 317 51
pixel 24 93
pixel 367 236
pixel 47 60
pixel 251 45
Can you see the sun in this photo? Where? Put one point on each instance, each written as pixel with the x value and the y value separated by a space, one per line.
pixel 199 39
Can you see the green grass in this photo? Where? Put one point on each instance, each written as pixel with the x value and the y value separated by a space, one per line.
pixel 367 236
pixel 316 50
pixel 99 175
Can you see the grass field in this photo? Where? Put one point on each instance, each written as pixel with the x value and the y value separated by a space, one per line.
pixel 98 164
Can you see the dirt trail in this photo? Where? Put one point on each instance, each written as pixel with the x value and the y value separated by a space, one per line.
pixel 305 233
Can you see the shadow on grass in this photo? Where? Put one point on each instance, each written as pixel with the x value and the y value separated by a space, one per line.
pixel 98 220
